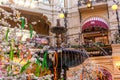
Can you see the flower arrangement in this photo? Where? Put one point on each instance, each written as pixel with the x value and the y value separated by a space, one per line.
pixel 90 71
pixel 17 61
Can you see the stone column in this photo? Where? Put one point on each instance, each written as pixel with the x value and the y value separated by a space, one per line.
pixel 116 60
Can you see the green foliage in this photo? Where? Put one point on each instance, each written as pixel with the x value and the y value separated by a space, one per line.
pixel 24 67
pixel 44 63
pixel 37 72
pixel 31 31
pixel 11 55
pixel 8 70
pixel 41 47
pixel 91 49
pixel 22 23
pixel 18 53
pixel 100 44
pixel 76 46
pixel 6 37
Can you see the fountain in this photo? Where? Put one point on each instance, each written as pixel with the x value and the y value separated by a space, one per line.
pixel 65 58
pixel 58 30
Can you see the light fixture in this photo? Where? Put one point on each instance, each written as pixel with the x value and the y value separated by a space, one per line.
pixel 61 15
pixel 118 66
pixel 114 7
pixel 89 5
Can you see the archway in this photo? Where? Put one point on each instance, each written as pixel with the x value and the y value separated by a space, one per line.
pixel 89 71
pixel 106 74
pixel 97 74
pixel 95 29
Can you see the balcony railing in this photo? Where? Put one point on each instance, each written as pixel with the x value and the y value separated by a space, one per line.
pixel 95 49
pixel 84 2
pixel 98 50
pixel 93 52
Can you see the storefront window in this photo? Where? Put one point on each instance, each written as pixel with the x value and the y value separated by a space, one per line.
pixel 103 39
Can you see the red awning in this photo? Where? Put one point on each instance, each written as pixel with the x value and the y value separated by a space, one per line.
pixel 95 22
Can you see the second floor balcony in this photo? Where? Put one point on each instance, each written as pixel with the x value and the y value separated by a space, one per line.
pixel 89 3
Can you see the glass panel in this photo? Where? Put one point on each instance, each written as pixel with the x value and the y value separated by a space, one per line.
pixel 62 3
pixel 44 1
